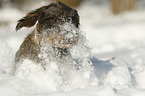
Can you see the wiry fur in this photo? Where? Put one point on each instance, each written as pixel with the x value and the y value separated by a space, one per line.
pixel 49 17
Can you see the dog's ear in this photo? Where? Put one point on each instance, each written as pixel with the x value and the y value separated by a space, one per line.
pixel 75 19
pixel 30 19
pixel 72 12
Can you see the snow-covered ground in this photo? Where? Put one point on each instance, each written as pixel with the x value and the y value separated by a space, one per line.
pixel 116 41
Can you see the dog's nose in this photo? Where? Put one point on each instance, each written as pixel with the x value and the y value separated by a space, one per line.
pixel 70 38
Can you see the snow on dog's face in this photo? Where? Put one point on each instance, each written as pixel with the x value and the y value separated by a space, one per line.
pixel 63 36
pixel 56 22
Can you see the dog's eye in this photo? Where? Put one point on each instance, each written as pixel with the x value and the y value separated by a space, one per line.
pixel 69 19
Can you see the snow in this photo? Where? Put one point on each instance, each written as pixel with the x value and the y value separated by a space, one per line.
pixel 117 55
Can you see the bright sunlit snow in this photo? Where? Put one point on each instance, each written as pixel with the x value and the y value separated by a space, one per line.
pixel 116 66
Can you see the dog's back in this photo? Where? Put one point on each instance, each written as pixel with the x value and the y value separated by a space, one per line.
pixel 29 49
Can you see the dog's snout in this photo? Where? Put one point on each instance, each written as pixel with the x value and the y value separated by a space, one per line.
pixel 70 38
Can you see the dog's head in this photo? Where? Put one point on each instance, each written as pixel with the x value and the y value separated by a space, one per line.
pixel 54 16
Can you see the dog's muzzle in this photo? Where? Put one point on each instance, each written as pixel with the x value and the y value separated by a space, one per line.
pixel 70 37
pixel 62 36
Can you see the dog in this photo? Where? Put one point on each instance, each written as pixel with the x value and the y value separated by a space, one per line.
pixel 56 30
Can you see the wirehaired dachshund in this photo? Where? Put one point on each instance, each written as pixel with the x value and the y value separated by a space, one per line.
pixel 56 30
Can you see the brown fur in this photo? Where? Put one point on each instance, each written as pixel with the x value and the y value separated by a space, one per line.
pixel 28 49
pixel 48 17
